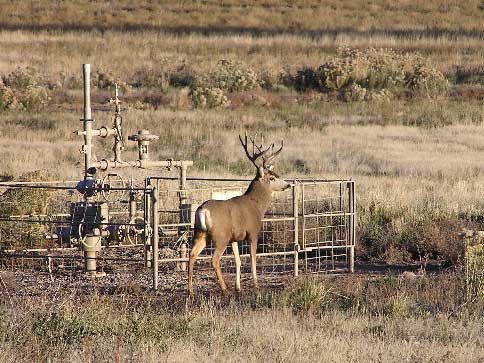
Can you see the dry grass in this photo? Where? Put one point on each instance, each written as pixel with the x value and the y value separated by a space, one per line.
pixel 417 164
pixel 55 52
pixel 337 320
pixel 250 15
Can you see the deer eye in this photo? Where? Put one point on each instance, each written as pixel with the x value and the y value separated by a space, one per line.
pixel 272 178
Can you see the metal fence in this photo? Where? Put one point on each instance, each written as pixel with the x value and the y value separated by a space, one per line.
pixel 310 228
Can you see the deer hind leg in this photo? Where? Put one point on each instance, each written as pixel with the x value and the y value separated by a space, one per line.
pixel 199 243
pixel 253 252
pixel 235 250
pixel 217 254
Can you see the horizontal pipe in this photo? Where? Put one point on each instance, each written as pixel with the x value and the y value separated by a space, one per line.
pixel 66 257
pixel 38 182
pixel 109 164
pixel 46 221
pixel 32 186
pixel 291 180
pixel 34 250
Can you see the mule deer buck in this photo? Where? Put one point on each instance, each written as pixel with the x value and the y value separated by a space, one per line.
pixel 238 218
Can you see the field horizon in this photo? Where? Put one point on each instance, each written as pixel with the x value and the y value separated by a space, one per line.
pixel 388 93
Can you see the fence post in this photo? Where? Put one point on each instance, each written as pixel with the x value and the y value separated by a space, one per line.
pixel 351 226
pixel 154 236
pixel 295 197
pixel 184 208
pixel 147 218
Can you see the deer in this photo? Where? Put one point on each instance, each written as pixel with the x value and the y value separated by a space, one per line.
pixel 238 218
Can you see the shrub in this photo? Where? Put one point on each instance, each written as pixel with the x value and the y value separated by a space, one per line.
pixel 404 235
pixel 354 93
pixel 209 97
pixel 106 80
pixel 336 74
pixel 21 78
pixel 305 79
pixel 150 78
pixel 268 79
pixel 34 98
pixel 72 81
pixel 183 76
pixel 24 202
pixel 307 296
pixel 231 76
pixel 8 101
pixel 427 81
pixel 354 72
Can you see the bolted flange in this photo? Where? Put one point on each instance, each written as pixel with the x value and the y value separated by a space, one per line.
pixel 143 138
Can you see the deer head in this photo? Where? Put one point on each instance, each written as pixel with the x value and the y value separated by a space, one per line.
pixel 263 160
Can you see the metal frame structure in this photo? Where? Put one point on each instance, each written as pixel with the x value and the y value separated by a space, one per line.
pixel 310 228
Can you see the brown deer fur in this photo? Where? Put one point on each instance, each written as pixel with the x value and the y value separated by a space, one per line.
pixel 238 218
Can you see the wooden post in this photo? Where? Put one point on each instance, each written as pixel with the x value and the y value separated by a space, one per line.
pixel 155 237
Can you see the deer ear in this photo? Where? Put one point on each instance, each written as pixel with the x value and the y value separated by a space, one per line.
pixel 261 171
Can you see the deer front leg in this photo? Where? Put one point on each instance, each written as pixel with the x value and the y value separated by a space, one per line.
pixel 199 243
pixel 217 254
pixel 235 249
pixel 253 252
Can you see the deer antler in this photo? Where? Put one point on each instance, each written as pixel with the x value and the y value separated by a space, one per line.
pixel 267 161
pixel 255 155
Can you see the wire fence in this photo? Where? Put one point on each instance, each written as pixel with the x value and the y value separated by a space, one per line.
pixel 309 228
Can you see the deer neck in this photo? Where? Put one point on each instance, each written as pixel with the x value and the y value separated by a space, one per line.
pixel 260 195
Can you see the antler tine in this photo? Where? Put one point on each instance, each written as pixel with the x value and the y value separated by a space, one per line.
pixel 255 155
pixel 269 161
pixel 244 145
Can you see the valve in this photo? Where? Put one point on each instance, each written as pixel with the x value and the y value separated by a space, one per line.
pixel 143 138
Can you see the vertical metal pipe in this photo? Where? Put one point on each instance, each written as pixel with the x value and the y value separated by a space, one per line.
pixel 147 218
pixel 155 238
pixel 87 120
pixel 351 226
pixel 182 184
pixel 295 209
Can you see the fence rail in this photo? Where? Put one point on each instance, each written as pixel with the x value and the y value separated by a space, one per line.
pixel 309 228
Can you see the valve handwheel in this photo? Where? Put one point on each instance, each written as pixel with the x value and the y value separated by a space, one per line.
pixel 113 188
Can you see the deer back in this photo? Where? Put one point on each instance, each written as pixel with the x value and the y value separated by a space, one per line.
pixel 235 219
